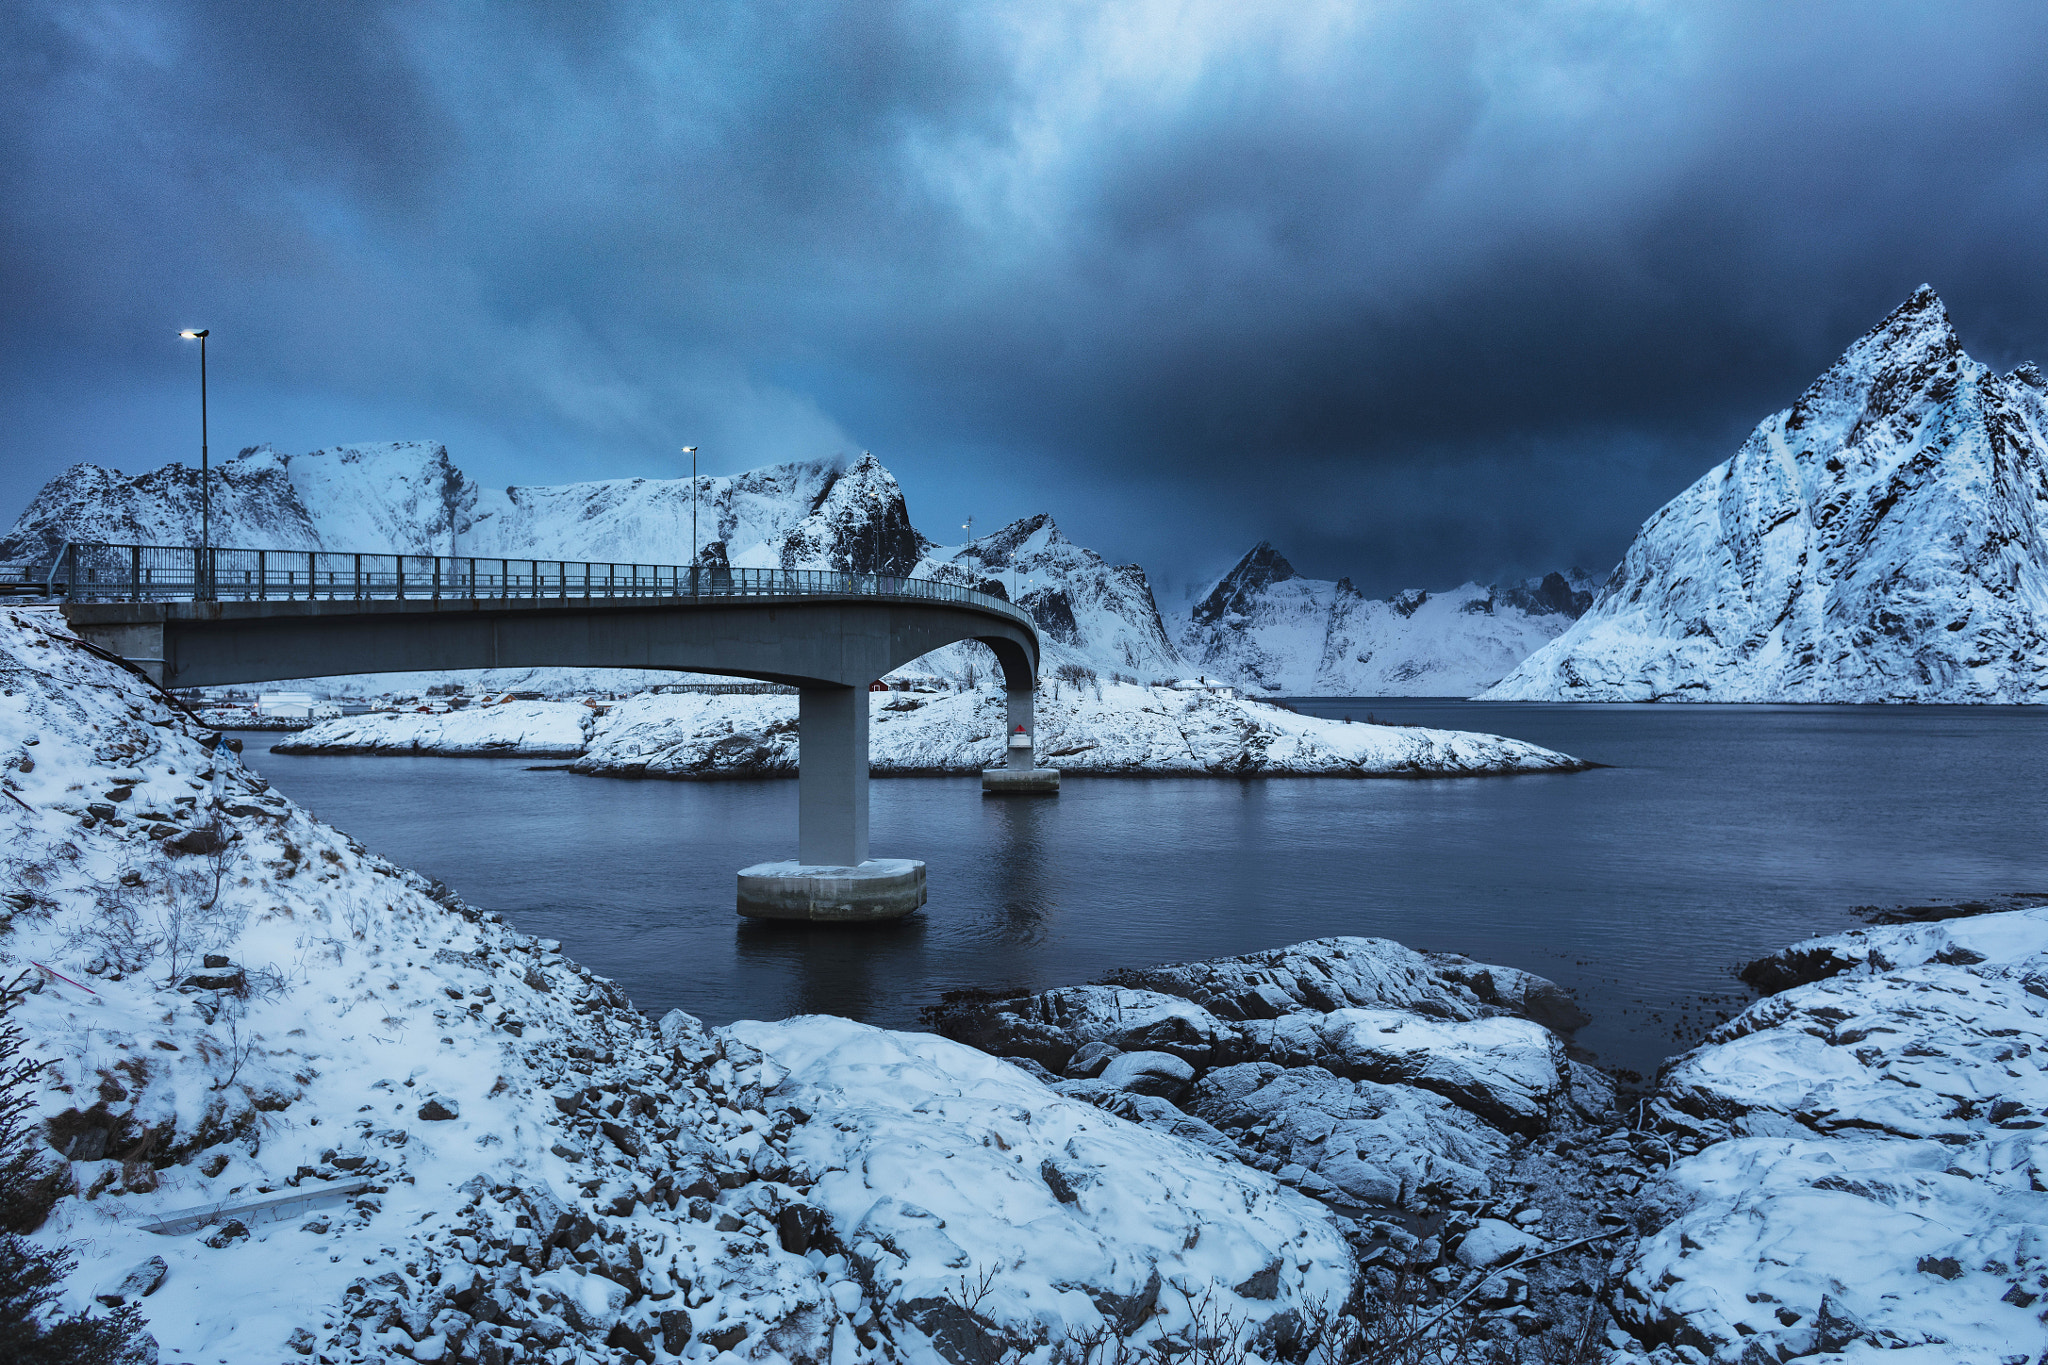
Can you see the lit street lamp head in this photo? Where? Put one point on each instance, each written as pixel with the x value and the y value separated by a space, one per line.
pixel 191 335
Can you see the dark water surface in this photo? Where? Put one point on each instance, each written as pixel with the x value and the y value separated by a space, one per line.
pixel 1718 834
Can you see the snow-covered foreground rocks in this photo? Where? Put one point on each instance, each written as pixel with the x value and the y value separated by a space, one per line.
pixel 1416 1096
pixel 1127 730
pixel 1875 1164
pixel 377 1124
pixel 956 1180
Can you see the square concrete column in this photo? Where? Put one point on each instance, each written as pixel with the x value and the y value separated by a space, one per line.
pixel 1021 713
pixel 832 776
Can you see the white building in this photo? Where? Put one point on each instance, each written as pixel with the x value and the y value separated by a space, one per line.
pixel 285 705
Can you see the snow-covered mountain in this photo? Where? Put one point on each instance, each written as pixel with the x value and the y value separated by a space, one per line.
pixel 409 496
pixel 1884 539
pixel 819 514
pixel 1266 627
pixel 1088 611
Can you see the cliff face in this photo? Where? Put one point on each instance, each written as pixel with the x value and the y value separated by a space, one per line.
pixel 1267 628
pixel 1884 539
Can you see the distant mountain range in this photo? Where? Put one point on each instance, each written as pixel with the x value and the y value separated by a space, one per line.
pixel 1884 539
pixel 1269 629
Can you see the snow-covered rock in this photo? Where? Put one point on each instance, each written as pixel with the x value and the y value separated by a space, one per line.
pixel 1926 1031
pixel 1126 730
pixel 1265 627
pixel 1874 1157
pixel 1785 1247
pixel 524 729
pixel 1884 539
pixel 984 1210
pixel 1375 1076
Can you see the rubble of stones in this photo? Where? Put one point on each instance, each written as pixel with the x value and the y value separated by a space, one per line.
pixel 1427 1101
pixel 684 1202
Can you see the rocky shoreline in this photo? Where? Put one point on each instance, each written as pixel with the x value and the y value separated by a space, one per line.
pixel 1341 1151
pixel 1110 729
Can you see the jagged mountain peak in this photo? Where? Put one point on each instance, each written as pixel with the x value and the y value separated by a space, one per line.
pixel 1910 358
pixel 1018 540
pixel 1261 568
pixel 1883 539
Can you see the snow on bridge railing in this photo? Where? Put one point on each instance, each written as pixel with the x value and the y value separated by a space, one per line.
pixel 94 572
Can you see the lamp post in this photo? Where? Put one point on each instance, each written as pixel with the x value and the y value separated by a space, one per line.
pixel 203 587
pixel 691 451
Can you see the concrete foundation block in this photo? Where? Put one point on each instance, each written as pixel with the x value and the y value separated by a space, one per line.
pixel 1024 781
pixel 880 888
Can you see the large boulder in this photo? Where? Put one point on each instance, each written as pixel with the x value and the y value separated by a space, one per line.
pixel 1376 1146
pixel 1508 1071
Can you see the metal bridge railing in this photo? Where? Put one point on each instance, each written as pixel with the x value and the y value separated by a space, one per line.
pixel 93 572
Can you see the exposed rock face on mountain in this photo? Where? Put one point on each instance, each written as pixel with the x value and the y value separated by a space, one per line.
pixel 1088 610
pixel 1266 627
pixel 254 503
pixel 1884 539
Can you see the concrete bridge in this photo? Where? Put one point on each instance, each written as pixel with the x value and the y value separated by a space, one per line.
pixel 240 616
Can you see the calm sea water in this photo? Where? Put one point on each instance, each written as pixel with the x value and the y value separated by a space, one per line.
pixel 1718 833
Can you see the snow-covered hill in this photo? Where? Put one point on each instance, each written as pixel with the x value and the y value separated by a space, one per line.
pixel 1265 627
pixel 1884 539
pixel 1114 728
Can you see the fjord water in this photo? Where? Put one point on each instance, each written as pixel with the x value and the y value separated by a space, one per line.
pixel 1717 834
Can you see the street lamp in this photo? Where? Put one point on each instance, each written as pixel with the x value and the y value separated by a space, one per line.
pixel 203 588
pixel 691 451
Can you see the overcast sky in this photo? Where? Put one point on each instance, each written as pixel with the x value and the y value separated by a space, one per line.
pixel 1419 292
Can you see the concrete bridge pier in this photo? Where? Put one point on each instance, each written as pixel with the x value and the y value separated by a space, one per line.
pixel 1020 772
pixel 832 878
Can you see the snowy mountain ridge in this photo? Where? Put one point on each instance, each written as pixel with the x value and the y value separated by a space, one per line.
pixel 410 496
pixel 1883 539
pixel 1267 628
pixel 1088 611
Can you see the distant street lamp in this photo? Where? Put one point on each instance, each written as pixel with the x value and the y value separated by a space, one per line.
pixel 203 588
pixel 691 451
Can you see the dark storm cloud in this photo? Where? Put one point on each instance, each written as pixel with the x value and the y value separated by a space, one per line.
pixel 1418 291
